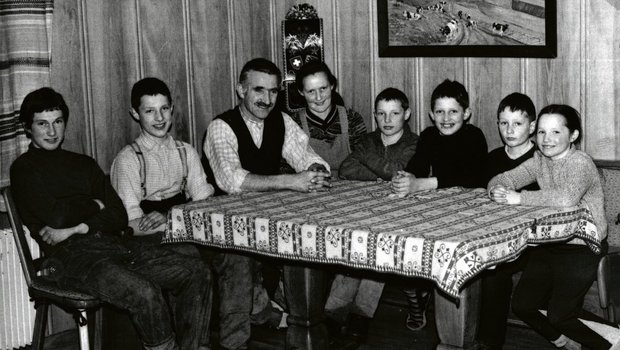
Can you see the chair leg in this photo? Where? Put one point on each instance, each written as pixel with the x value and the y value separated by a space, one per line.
pixel 82 323
pixel 40 321
pixel 98 331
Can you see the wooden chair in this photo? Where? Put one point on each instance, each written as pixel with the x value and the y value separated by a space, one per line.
pixel 609 285
pixel 45 292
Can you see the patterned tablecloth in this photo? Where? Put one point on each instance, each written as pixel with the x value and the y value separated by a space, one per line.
pixel 447 235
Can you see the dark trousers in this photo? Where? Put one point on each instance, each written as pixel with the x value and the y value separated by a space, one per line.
pixel 233 276
pixel 496 290
pixel 141 279
pixel 557 278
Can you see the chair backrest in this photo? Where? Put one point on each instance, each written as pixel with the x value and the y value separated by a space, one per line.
pixel 609 285
pixel 23 249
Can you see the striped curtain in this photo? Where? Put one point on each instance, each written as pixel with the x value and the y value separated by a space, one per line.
pixel 25 54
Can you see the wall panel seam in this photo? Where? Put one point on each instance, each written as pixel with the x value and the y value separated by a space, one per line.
pixel 140 57
pixel 336 29
pixel 189 72
pixel 373 58
pixel 419 88
pixel 583 67
pixel 232 45
pixel 273 28
pixel 87 80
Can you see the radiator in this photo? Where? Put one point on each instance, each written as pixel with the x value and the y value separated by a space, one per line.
pixel 16 310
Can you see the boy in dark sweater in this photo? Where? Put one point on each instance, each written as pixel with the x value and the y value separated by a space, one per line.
pixel 449 153
pixel 73 212
pixel 516 121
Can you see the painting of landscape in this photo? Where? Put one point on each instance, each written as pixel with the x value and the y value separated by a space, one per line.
pixel 519 28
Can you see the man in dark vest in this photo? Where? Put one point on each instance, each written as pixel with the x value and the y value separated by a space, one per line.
pixel 244 147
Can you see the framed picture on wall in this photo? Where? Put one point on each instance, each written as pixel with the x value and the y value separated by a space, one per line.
pixel 477 28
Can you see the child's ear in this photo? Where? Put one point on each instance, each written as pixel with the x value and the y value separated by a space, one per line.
pixel 430 115
pixel 134 114
pixel 407 113
pixel 574 135
pixel 466 114
pixel 532 126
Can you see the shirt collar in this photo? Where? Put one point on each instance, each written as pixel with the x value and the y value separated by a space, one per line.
pixel 248 119
pixel 150 142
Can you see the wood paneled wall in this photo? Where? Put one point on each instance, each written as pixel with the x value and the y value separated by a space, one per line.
pixel 100 48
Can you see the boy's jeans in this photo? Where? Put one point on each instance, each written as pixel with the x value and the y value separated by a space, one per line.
pixel 136 279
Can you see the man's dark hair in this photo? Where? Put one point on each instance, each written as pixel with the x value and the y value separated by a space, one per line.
pixel 260 65
pixel 451 89
pixel 148 87
pixel 392 94
pixel 42 100
pixel 518 102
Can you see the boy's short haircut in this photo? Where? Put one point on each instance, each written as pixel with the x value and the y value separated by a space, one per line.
pixel 452 89
pixel 392 94
pixel 42 100
pixel 148 87
pixel 260 65
pixel 518 102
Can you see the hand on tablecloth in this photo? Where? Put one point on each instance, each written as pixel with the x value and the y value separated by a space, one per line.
pixel 503 195
pixel 310 181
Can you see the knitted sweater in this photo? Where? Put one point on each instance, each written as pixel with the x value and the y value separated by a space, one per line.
pixel 570 181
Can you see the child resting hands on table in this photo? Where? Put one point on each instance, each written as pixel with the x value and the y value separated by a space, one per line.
pixel 558 276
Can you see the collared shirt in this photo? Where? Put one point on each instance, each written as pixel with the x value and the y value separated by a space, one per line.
pixel 164 173
pixel 222 150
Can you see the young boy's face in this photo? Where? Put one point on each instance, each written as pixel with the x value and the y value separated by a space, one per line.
pixel 448 115
pixel 391 117
pixel 154 115
pixel 47 130
pixel 515 127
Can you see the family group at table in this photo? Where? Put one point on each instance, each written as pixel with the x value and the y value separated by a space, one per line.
pixel 102 235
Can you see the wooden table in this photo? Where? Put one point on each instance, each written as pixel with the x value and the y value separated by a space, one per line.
pixel 447 236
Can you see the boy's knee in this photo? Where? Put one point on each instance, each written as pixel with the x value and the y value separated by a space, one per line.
pixel 146 296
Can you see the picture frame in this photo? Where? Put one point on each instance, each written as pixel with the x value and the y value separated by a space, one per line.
pixel 469 28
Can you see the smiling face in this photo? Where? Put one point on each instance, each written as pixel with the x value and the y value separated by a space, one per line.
pixel 515 127
pixel 391 117
pixel 154 115
pixel 318 93
pixel 448 115
pixel 259 92
pixel 47 130
pixel 553 137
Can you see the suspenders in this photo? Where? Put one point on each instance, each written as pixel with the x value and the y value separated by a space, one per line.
pixel 140 155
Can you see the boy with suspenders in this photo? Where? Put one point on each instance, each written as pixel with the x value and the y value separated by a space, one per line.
pixel 156 172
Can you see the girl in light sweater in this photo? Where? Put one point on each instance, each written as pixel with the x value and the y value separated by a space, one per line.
pixel 558 276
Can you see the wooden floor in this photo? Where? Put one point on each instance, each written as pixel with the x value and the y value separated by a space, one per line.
pixel 387 332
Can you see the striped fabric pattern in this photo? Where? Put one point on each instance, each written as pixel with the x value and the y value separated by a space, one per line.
pixel 25 55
